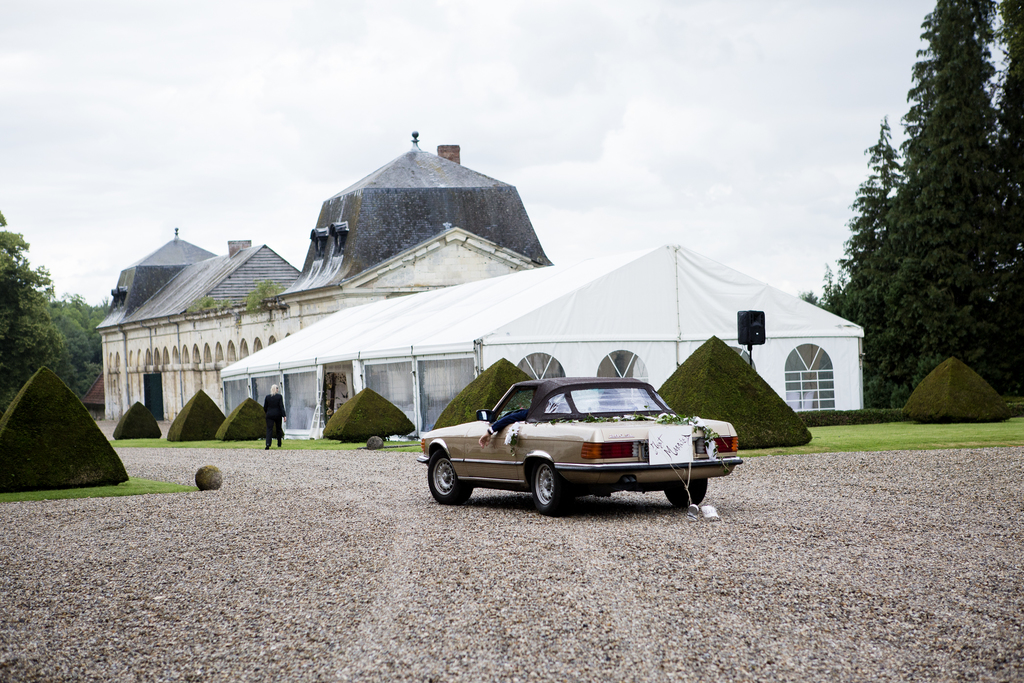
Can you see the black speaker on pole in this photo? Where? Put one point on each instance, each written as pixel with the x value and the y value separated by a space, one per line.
pixel 750 330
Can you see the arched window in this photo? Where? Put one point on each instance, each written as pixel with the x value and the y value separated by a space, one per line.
pixel 744 355
pixel 231 352
pixel 257 345
pixel 196 359
pixel 219 353
pixel 541 366
pixel 131 358
pixel 149 357
pixel 117 361
pixel 243 350
pixel 167 357
pixel 622 364
pixel 207 354
pixel 175 358
pixel 809 379
pixel 272 340
pixel 184 355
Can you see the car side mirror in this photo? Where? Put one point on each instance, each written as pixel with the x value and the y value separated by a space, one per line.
pixel 485 415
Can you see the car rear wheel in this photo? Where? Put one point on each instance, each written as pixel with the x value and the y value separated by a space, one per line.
pixel 677 496
pixel 551 494
pixel 444 483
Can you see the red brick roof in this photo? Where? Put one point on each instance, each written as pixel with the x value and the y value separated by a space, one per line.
pixel 95 395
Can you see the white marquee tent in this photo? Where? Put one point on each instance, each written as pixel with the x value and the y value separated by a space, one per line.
pixel 634 314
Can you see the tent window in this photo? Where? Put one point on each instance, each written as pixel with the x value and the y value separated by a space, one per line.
pixel 440 382
pixel 810 383
pixel 393 381
pixel 744 355
pixel 261 388
pixel 300 399
pixel 541 366
pixel 235 391
pixel 622 364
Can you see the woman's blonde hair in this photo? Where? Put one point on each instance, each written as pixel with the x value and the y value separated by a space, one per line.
pixel 274 389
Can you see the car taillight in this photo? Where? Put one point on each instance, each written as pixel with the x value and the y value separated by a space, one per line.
pixel 727 444
pixel 621 449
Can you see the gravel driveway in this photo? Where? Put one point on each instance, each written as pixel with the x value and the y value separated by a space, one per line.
pixel 339 566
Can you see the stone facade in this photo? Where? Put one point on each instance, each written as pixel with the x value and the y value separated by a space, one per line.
pixel 418 223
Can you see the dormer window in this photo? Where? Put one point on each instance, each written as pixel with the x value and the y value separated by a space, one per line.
pixel 118 295
pixel 318 236
pixel 340 233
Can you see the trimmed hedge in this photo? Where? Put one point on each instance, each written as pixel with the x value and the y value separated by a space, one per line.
pixel 48 440
pixel 1016 409
pixel 247 422
pixel 199 420
pixel 483 392
pixel 364 415
pixel 866 416
pixel 716 384
pixel 953 392
pixel 137 423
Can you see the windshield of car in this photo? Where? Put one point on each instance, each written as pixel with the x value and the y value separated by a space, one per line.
pixel 519 401
pixel 614 400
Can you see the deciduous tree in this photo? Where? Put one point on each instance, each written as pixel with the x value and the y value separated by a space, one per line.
pixel 28 337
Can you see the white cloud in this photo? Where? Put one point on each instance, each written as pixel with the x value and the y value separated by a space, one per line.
pixel 737 127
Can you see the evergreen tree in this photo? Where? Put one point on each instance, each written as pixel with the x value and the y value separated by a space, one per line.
pixel 944 218
pixel 870 264
pixel 1008 261
pixel 28 337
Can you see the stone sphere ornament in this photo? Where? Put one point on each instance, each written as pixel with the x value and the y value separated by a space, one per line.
pixel 375 443
pixel 209 478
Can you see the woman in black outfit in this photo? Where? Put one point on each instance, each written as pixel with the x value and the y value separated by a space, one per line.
pixel 273 406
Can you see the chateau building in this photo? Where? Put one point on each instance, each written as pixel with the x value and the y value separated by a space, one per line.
pixel 420 222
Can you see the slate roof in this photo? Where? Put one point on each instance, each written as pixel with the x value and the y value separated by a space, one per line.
pixel 406 202
pixel 222 277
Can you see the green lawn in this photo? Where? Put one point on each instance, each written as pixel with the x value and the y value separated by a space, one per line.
pixel 901 436
pixel 132 487
pixel 289 445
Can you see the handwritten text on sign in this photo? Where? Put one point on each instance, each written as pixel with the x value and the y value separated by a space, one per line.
pixel 670 444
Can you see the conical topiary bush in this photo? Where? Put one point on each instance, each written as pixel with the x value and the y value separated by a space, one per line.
pixel 137 423
pixel 246 422
pixel 953 392
pixel 716 384
pixel 48 440
pixel 199 420
pixel 364 415
pixel 482 392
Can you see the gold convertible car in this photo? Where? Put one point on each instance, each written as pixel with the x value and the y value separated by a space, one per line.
pixel 576 436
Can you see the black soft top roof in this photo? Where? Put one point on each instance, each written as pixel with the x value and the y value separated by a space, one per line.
pixel 545 388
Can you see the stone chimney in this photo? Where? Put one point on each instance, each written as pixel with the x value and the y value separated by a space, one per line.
pixel 235 246
pixel 449 152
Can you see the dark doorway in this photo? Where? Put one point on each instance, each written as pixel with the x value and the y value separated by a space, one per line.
pixel 153 394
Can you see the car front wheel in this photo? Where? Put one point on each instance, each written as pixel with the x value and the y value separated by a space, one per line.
pixel 677 496
pixel 444 483
pixel 551 493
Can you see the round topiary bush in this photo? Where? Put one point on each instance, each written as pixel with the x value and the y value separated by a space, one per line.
pixel 953 392
pixel 716 384
pixel 48 440
pixel 482 392
pixel 209 478
pixel 199 420
pixel 245 423
pixel 364 415
pixel 137 423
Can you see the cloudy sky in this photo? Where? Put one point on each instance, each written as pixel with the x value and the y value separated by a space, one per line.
pixel 737 127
